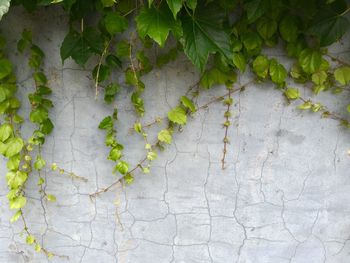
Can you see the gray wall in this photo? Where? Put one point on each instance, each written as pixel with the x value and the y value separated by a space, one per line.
pixel 284 196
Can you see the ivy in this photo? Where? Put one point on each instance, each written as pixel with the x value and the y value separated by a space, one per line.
pixel 222 39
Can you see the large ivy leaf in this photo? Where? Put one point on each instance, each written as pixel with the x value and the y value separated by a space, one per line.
pixel 203 34
pixel 4 7
pixel 329 27
pixel 155 23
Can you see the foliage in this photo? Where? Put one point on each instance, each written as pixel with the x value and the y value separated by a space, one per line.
pixel 221 38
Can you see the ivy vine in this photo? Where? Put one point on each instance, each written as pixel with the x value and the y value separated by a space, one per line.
pixel 223 39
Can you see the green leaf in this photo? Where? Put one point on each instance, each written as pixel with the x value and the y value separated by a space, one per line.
pixel 177 115
pixel 138 127
pixel 278 73
pixel 239 61
pixel 328 26
pixel 188 103
pixel 305 106
pixel 256 8
pixel 123 49
pixel 342 75
pixel 122 167
pixel 289 29
pixel 16 216
pixel 30 239
pixel 319 77
pixel 76 47
pixel 106 123
pixel 39 163
pixel 261 66
pixel 4 7
pixel 348 108
pixel 5 67
pixel 216 76
pixel 14 146
pixel 151 155
pixel 155 23
pixel 203 34
pixel 46 126
pixel 192 4
pixel 175 6
pixel 38 115
pixel 266 27
pixel 108 3
pixel 310 60
pixel 115 23
pixel 16 179
pixel 251 41
pixel 115 154
pixel 51 198
pixel 165 136
pixel 292 93
pixel 18 202
pixel 110 91
pixel 128 178
pixel 13 162
pixel 5 132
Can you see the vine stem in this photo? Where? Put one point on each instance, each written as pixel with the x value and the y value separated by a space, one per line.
pixel 99 66
pixel 226 125
pixel 139 165
pixel 333 58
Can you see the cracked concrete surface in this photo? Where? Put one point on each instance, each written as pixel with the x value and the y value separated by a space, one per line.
pixel 284 196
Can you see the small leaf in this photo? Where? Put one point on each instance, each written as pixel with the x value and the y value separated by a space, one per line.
pixel 188 103
pixel 38 115
pixel 115 23
pixel 292 93
pixel 30 239
pixel 152 155
pixel 240 61
pixel 138 127
pixel 342 75
pixel 310 60
pixel 18 202
pixel 39 163
pixel 5 66
pixel 16 216
pixel 177 115
pixel 266 27
pixel 319 77
pixel 51 198
pixel 106 123
pixel 122 167
pixel 14 146
pixel 115 154
pixel 288 28
pixel 165 136
pixel 348 108
pixel 261 66
pixel 128 178
pixel 5 132
pixel 278 73
pixel 305 106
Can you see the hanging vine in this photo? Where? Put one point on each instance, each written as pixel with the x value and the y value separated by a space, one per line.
pixel 222 39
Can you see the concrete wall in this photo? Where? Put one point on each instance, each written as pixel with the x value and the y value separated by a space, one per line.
pixel 284 196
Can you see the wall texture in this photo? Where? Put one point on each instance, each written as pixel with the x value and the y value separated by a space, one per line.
pixel 284 196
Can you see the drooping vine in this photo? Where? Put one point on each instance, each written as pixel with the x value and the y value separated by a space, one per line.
pixel 222 39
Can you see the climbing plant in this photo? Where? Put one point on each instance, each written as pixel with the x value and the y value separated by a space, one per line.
pixel 222 39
